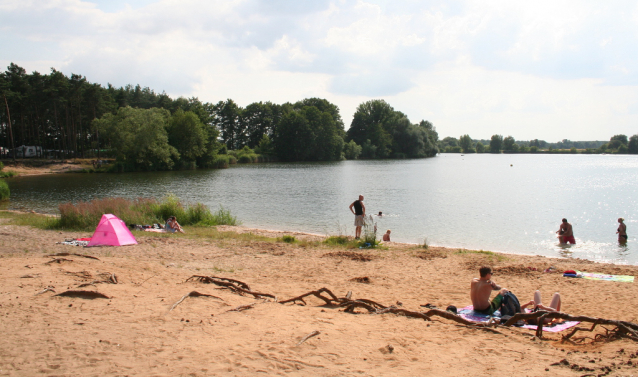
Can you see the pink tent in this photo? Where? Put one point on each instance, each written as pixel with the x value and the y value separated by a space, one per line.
pixel 112 231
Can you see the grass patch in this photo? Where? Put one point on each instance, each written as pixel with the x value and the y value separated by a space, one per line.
pixel 288 239
pixel 8 174
pixel 4 190
pixel 489 254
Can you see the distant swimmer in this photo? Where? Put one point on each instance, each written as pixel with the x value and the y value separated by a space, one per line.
pixel 565 233
pixel 622 231
pixel 386 236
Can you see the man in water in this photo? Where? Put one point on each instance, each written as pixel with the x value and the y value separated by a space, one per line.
pixel 622 231
pixel 565 233
pixel 359 213
pixel 481 289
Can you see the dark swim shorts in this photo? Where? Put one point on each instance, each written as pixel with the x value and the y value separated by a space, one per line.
pixel 494 305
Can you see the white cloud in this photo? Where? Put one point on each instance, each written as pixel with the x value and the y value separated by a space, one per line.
pixel 546 69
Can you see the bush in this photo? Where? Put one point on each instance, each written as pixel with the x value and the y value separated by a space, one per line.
pixel 1 166
pixel 4 190
pixel 288 239
pixel 86 215
pixel 221 161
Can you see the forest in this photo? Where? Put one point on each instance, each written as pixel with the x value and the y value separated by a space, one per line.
pixel 69 117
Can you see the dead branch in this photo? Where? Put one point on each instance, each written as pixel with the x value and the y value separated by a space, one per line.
pixel 83 294
pixel 47 289
pixel 219 281
pixel 234 285
pixel 332 300
pixel 58 260
pixel 242 307
pixel 69 254
pixel 314 333
pixel 192 294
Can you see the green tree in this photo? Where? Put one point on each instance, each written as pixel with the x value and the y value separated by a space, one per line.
pixel 632 146
pixel 496 144
pixel 480 148
pixel 351 150
pixel 370 128
pixel 509 144
pixel 227 118
pixel 616 141
pixel 139 138
pixel 465 142
pixel 188 135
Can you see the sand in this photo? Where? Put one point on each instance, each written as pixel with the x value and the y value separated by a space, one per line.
pixel 134 332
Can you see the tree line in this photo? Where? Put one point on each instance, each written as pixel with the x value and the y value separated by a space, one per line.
pixel 618 144
pixel 71 117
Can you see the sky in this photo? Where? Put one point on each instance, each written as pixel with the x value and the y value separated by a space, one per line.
pixel 550 70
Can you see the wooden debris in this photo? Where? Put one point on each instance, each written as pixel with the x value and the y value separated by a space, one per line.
pixel 69 254
pixel 83 294
pixel 314 333
pixel 234 285
pixel 47 289
pixel 331 300
pixel 192 294
pixel 243 307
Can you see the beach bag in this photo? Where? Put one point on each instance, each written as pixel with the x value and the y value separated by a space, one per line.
pixel 510 305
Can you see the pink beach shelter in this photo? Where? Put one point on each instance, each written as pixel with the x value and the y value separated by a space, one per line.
pixel 111 231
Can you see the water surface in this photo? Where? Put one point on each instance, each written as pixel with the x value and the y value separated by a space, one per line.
pixel 510 203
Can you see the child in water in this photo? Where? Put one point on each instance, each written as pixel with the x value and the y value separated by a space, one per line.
pixel 386 236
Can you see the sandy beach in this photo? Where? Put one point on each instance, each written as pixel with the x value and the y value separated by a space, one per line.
pixel 135 332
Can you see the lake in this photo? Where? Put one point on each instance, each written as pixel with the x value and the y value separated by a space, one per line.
pixel 508 203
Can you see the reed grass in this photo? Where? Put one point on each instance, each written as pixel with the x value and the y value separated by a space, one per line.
pixel 4 190
pixel 86 215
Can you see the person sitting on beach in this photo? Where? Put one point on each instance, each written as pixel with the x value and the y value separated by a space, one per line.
pixel 386 236
pixel 173 226
pixel 536 304
pixel 622 231
pixel 481 289
pixel 566 233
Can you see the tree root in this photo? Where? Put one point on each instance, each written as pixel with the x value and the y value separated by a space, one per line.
pixel 109 279
pixel 59 260
pixel 623 329
pixel 331 300
pixel 192 294
pixel 47 289
pixel 234 285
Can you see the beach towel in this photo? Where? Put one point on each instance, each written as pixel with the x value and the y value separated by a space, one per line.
pixel 469 314
pixel 599 276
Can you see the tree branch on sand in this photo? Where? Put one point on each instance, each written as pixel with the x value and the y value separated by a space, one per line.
pixel 192 294
pixel 234 285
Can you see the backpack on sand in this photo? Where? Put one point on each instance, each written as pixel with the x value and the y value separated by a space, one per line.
pixel 510 305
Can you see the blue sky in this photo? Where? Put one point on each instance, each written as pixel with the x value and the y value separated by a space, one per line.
pixel 551 70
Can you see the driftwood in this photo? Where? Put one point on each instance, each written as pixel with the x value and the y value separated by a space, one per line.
pixel 314 333
pixel 69 254
pixel 83 294
pixel 234 285
pixel 192 294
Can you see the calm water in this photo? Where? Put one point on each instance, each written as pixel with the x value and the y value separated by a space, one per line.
pixel 510 203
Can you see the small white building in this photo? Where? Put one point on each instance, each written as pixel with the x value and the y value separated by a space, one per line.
pixel 26 151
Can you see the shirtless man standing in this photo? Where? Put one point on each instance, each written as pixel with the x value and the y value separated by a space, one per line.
pixel 480 292
pixel 359 213
pixel 565 233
